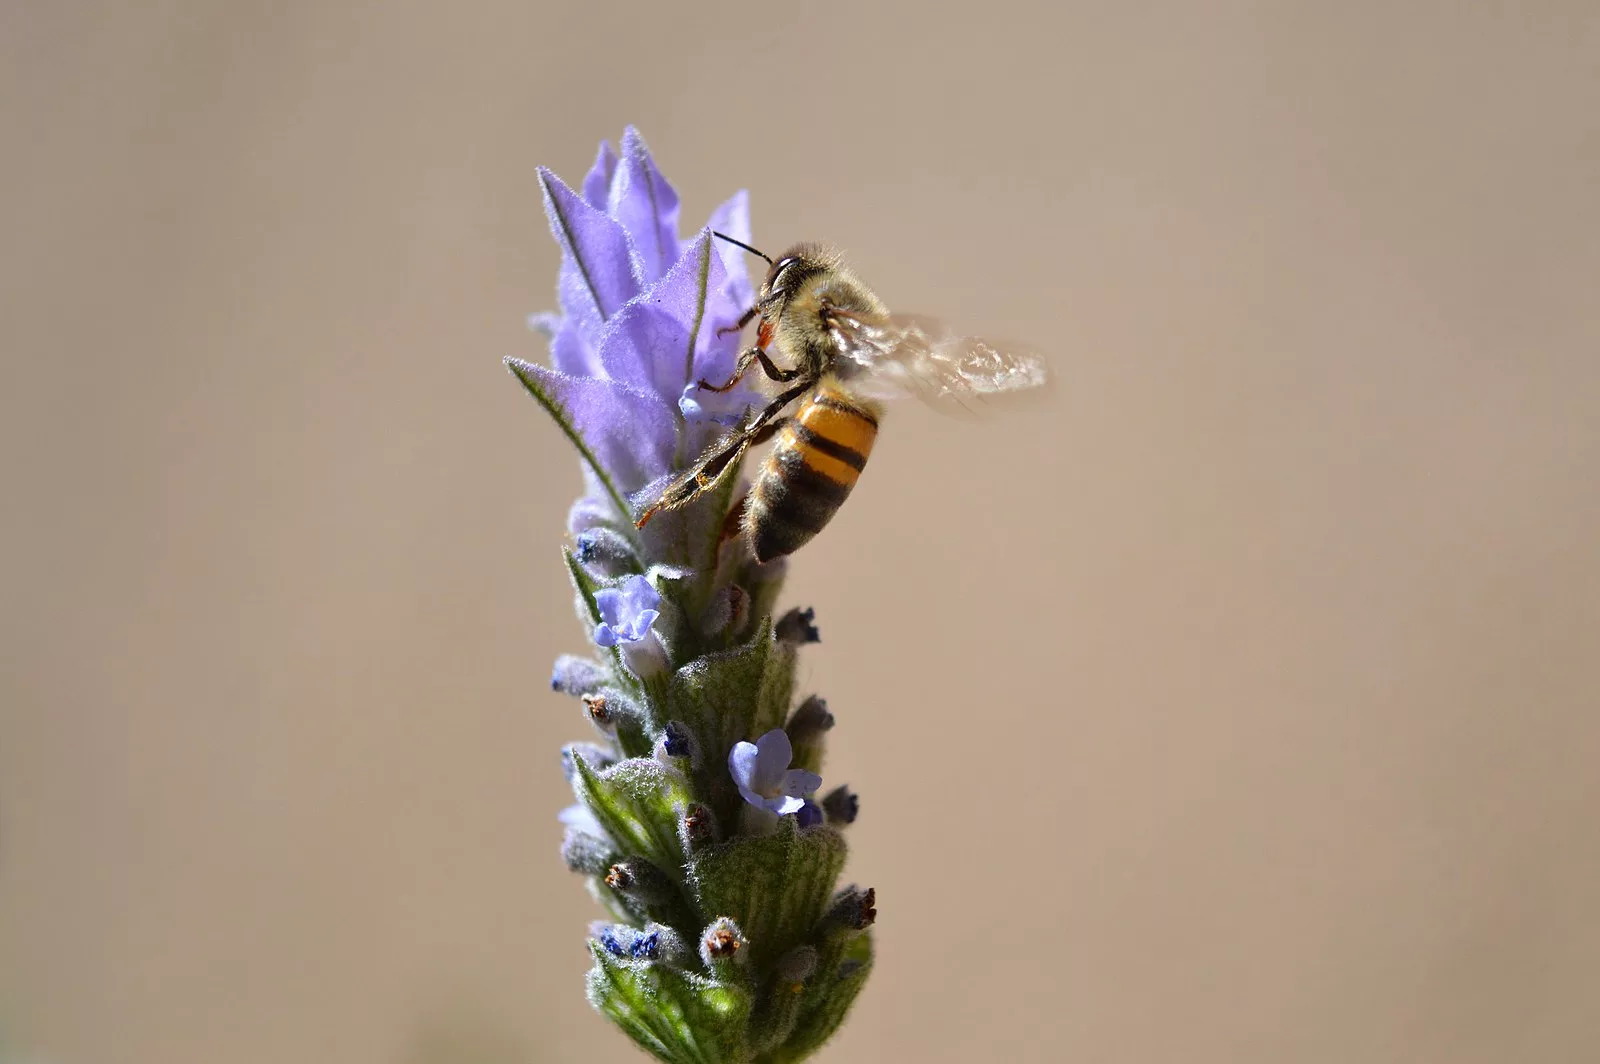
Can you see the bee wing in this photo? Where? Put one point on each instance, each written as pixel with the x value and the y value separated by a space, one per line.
pixel 913 354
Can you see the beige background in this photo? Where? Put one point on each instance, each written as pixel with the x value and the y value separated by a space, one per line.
pixel 1239 707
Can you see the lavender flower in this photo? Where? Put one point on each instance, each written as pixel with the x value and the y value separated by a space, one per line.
pixel 626 613
pixel 640 324
pixel 765 780
pixel 692 687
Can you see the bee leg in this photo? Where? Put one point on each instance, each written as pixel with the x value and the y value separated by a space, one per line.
pixel 740 368
pixel 744 319
pixel 725 452
pixel 762 426
pixel 767 431
pixel 782 376
pixel 754 354
pixel 687 487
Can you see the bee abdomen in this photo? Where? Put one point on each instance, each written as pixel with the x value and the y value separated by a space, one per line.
pixel 808 475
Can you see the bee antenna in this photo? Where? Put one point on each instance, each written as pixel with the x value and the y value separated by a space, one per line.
pixel 740 243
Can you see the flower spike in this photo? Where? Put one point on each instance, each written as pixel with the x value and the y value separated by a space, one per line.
pixel 697 819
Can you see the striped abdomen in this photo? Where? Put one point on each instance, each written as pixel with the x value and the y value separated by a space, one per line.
pixel 813 465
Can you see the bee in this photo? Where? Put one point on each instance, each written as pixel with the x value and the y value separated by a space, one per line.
pixel 847 355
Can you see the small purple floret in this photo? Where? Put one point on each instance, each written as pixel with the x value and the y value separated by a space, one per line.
pixel 626 612
pixel 761 771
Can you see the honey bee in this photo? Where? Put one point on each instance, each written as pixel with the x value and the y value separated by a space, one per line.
pixel 848 354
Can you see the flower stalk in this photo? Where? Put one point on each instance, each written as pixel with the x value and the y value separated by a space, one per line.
pixel 697 821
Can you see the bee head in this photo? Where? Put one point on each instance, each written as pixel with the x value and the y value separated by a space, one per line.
pixel 781 277
pixel 791 270
pixel 786 273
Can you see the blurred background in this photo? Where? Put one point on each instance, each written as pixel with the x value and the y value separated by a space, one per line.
pixel 1240 705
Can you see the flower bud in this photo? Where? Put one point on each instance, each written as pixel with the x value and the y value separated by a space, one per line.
pixel 806 727
pixel 594 755
pixel 586 853
pixel 728 612
pixel 585 847
pixel 841 805
pixel 722 946
pixel 796 627
pixel 611 937
pixel 658 942
pixel 605 552
pixel 809 720
pixel 576 676
pixel 853 908
pixel 617 716
pixel 697 828
pixel 648 891
pixel 608 709
pixel 677 744
pixel 642 881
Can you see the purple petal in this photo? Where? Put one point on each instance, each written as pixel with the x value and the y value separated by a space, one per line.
pixel 645 346
pixel 716 351
pixel 646 206
pixel 598 274
pixel 774 746
pixel 597 183
pixel 608 600
pixel 775 756
pixel 742 767
pixel 797 781
pixel 785 805
pixel 589 511
pixel 685 298
pixel 626 612
pixel 640 595
pixel 732 218
pixel 639 627
pixel 631 434
pixel 647 343
pixel 571 353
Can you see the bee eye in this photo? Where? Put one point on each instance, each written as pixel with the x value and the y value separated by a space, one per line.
pixel 775 278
